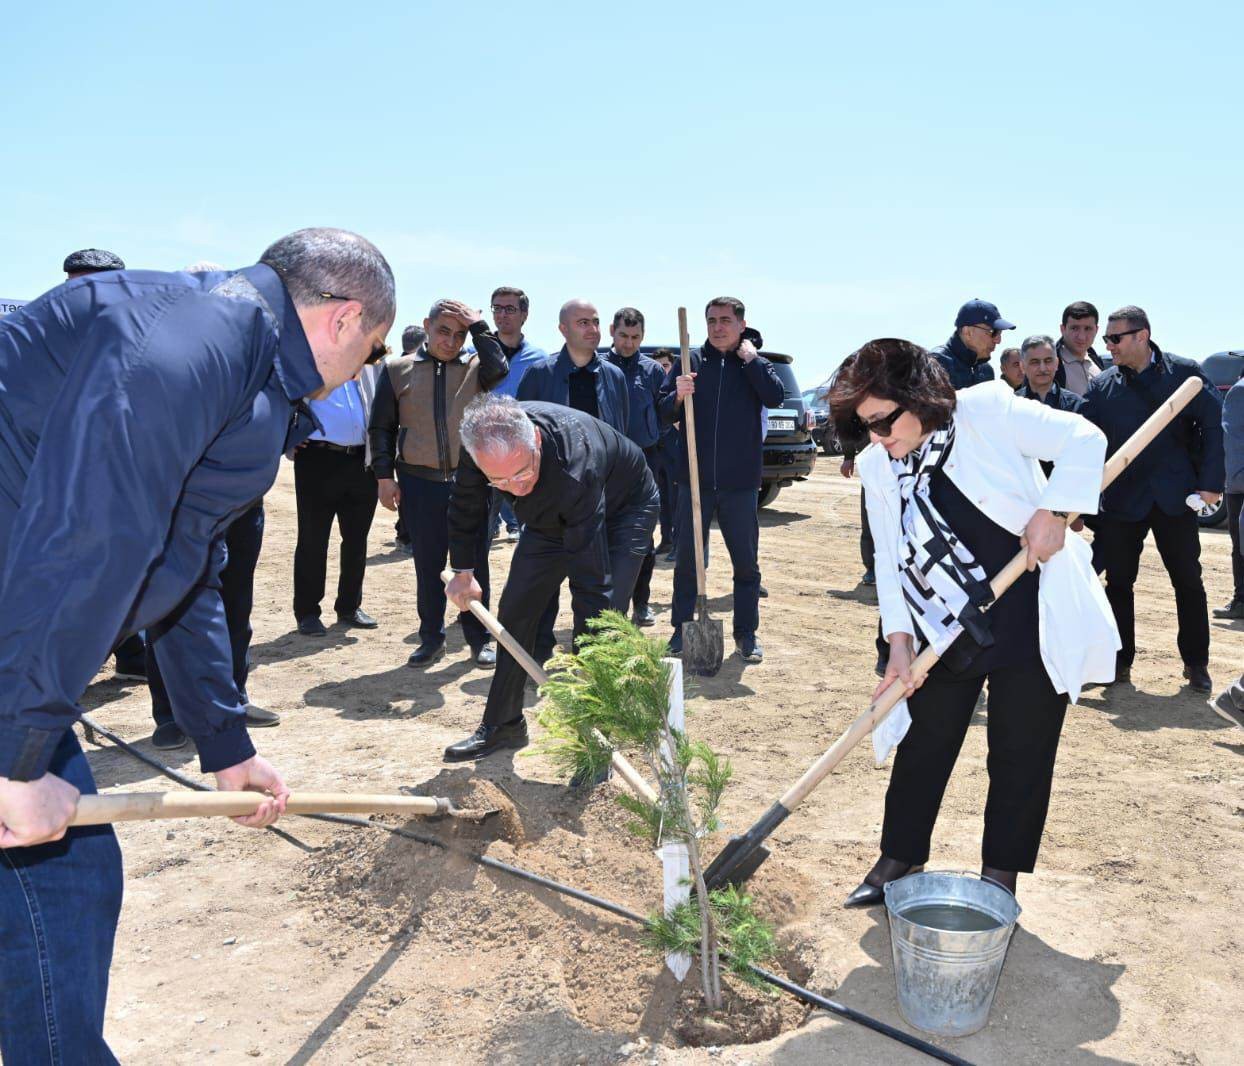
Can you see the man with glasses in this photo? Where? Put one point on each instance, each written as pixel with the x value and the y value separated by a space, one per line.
pixel 1078 364
pixel 510 307
pixel 587 503
pixel 416 449
pixel 978 329
pixel 1184 462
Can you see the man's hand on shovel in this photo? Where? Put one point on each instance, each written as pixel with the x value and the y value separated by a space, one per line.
pixel 462 589
pixel 256 774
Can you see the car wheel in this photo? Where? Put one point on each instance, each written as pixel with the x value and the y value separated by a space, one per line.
pixel 1216 517
pixel 769 493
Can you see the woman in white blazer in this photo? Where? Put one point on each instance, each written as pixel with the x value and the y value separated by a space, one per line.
pixel 954 490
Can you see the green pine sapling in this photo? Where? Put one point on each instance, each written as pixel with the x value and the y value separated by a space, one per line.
pixel 614 691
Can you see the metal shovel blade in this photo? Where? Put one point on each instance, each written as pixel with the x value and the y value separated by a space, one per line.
pixel 735 863
pixel 702 642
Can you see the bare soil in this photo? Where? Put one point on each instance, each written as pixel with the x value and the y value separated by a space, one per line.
pixel 373 948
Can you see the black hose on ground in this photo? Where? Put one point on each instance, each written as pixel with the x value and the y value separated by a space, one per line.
pixel 805 995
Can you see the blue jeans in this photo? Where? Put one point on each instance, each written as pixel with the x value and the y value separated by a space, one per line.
pixel 59 905
pixel 735 511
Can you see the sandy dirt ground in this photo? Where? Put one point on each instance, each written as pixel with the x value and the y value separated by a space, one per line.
pixel 237 946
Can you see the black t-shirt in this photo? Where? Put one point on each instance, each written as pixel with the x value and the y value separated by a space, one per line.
pixel 582 386
pixel 1012 620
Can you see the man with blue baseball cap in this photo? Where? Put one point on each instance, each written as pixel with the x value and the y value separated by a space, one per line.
pixel 978 329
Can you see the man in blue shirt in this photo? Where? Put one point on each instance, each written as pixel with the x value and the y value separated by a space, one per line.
pixel 140 413
pixel 510 307
pixel 978 329
pixel 644 379
pixel 332 481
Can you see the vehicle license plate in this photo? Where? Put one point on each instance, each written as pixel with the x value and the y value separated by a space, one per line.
pixel 781 423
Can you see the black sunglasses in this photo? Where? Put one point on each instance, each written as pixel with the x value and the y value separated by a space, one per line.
pixel 884 425
pixel 1114 338
pixel 990 330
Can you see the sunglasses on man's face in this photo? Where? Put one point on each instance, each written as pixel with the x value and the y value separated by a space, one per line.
pixel 1114 338
pixel 990 330
pixel 884 425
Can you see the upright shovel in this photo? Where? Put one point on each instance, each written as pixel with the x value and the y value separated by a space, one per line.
pixel 742 856
pixel 702 643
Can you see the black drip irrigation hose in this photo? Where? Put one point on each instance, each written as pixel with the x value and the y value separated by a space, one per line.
pixel 805 995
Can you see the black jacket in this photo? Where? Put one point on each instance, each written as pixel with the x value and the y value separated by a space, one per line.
pixel 588 473
pixel 962 364
pixel 1186 456
pixel 730 399
pixel 1059 398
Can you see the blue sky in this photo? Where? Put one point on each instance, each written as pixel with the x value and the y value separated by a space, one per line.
pixel 849 171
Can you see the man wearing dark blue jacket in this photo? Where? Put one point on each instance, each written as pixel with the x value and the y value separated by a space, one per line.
pixel 644 379
pixel 167 400
pixel 576 377
pixel 978 329
pixel 1151 495
pixel 730 385
pixel 1230 704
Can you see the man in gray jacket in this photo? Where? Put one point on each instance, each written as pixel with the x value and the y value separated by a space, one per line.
pixel 1230 704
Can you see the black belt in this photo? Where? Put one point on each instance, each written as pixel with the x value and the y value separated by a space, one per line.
pixel 328 445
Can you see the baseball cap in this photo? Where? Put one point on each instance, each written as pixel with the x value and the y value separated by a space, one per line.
pixel 981 313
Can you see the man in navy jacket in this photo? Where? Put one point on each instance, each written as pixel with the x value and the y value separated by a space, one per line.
pixel 978 329
pixel 730 385
pixel 576 377
pixel 644 378
pixel 1185 459
pixel 168 400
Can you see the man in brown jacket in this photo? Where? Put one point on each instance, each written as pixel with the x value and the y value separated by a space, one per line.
pixel 415 447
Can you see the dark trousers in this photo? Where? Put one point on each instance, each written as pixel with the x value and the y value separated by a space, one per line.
pixel 601 575
pixel 1179 545
pixel 130 652
pixel 1235 504
pixel 668 488
pixel 735 511
pixel 1024 721
pixel 643 582
pixel 243 541
pixel 330 484
pixel 867 549
pixel 429 500
pixel 59 906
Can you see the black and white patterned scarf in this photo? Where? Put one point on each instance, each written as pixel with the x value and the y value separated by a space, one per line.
pixel 944 585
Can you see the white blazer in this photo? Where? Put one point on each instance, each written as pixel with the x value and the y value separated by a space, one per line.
pixel 999 440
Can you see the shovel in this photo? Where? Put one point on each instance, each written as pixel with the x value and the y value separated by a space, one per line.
pixel 150 806
pixel 621 765
pixel 742 856
pixel 702 644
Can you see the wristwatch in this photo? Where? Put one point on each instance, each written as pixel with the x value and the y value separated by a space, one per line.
pixel 1060 514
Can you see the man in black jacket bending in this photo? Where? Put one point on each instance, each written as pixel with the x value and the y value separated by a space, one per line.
pixel 730 385
pixel 587 505
pixel 1186 459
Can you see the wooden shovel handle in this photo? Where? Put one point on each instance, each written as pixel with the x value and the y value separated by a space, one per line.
pixel 152 806
pixel 621 765
pixel 693 459
pixel 1002 581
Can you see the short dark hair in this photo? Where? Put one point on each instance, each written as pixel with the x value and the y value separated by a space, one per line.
pixel 508 290
pixel 1080 309
pixel 1132 315
pixel 728 301
pixel 412 337
pixel 312 262
pixel 1007 355
pixel 890 369
pixel 663 353
pixel 628 316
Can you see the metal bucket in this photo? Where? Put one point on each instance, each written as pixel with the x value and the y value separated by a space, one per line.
pixel 946 979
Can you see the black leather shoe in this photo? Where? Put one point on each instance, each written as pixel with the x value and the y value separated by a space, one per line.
pixel 485 654
pixel 865 895
pixel 360 619
pixel 427 652
pixel 675 644
pixel 131 670
pixel 312 627
pixel 258 717
pixel 1234 609
pixel 763 592
pixel 1198 677
pixel 489 738
pixel 643 616
pixel 168 736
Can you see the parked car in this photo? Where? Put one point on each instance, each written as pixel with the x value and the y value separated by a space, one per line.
pixel 789 450
pixel 1223 369
pixel 823 435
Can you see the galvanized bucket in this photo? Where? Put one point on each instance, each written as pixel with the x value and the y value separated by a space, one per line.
pixel 946 979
